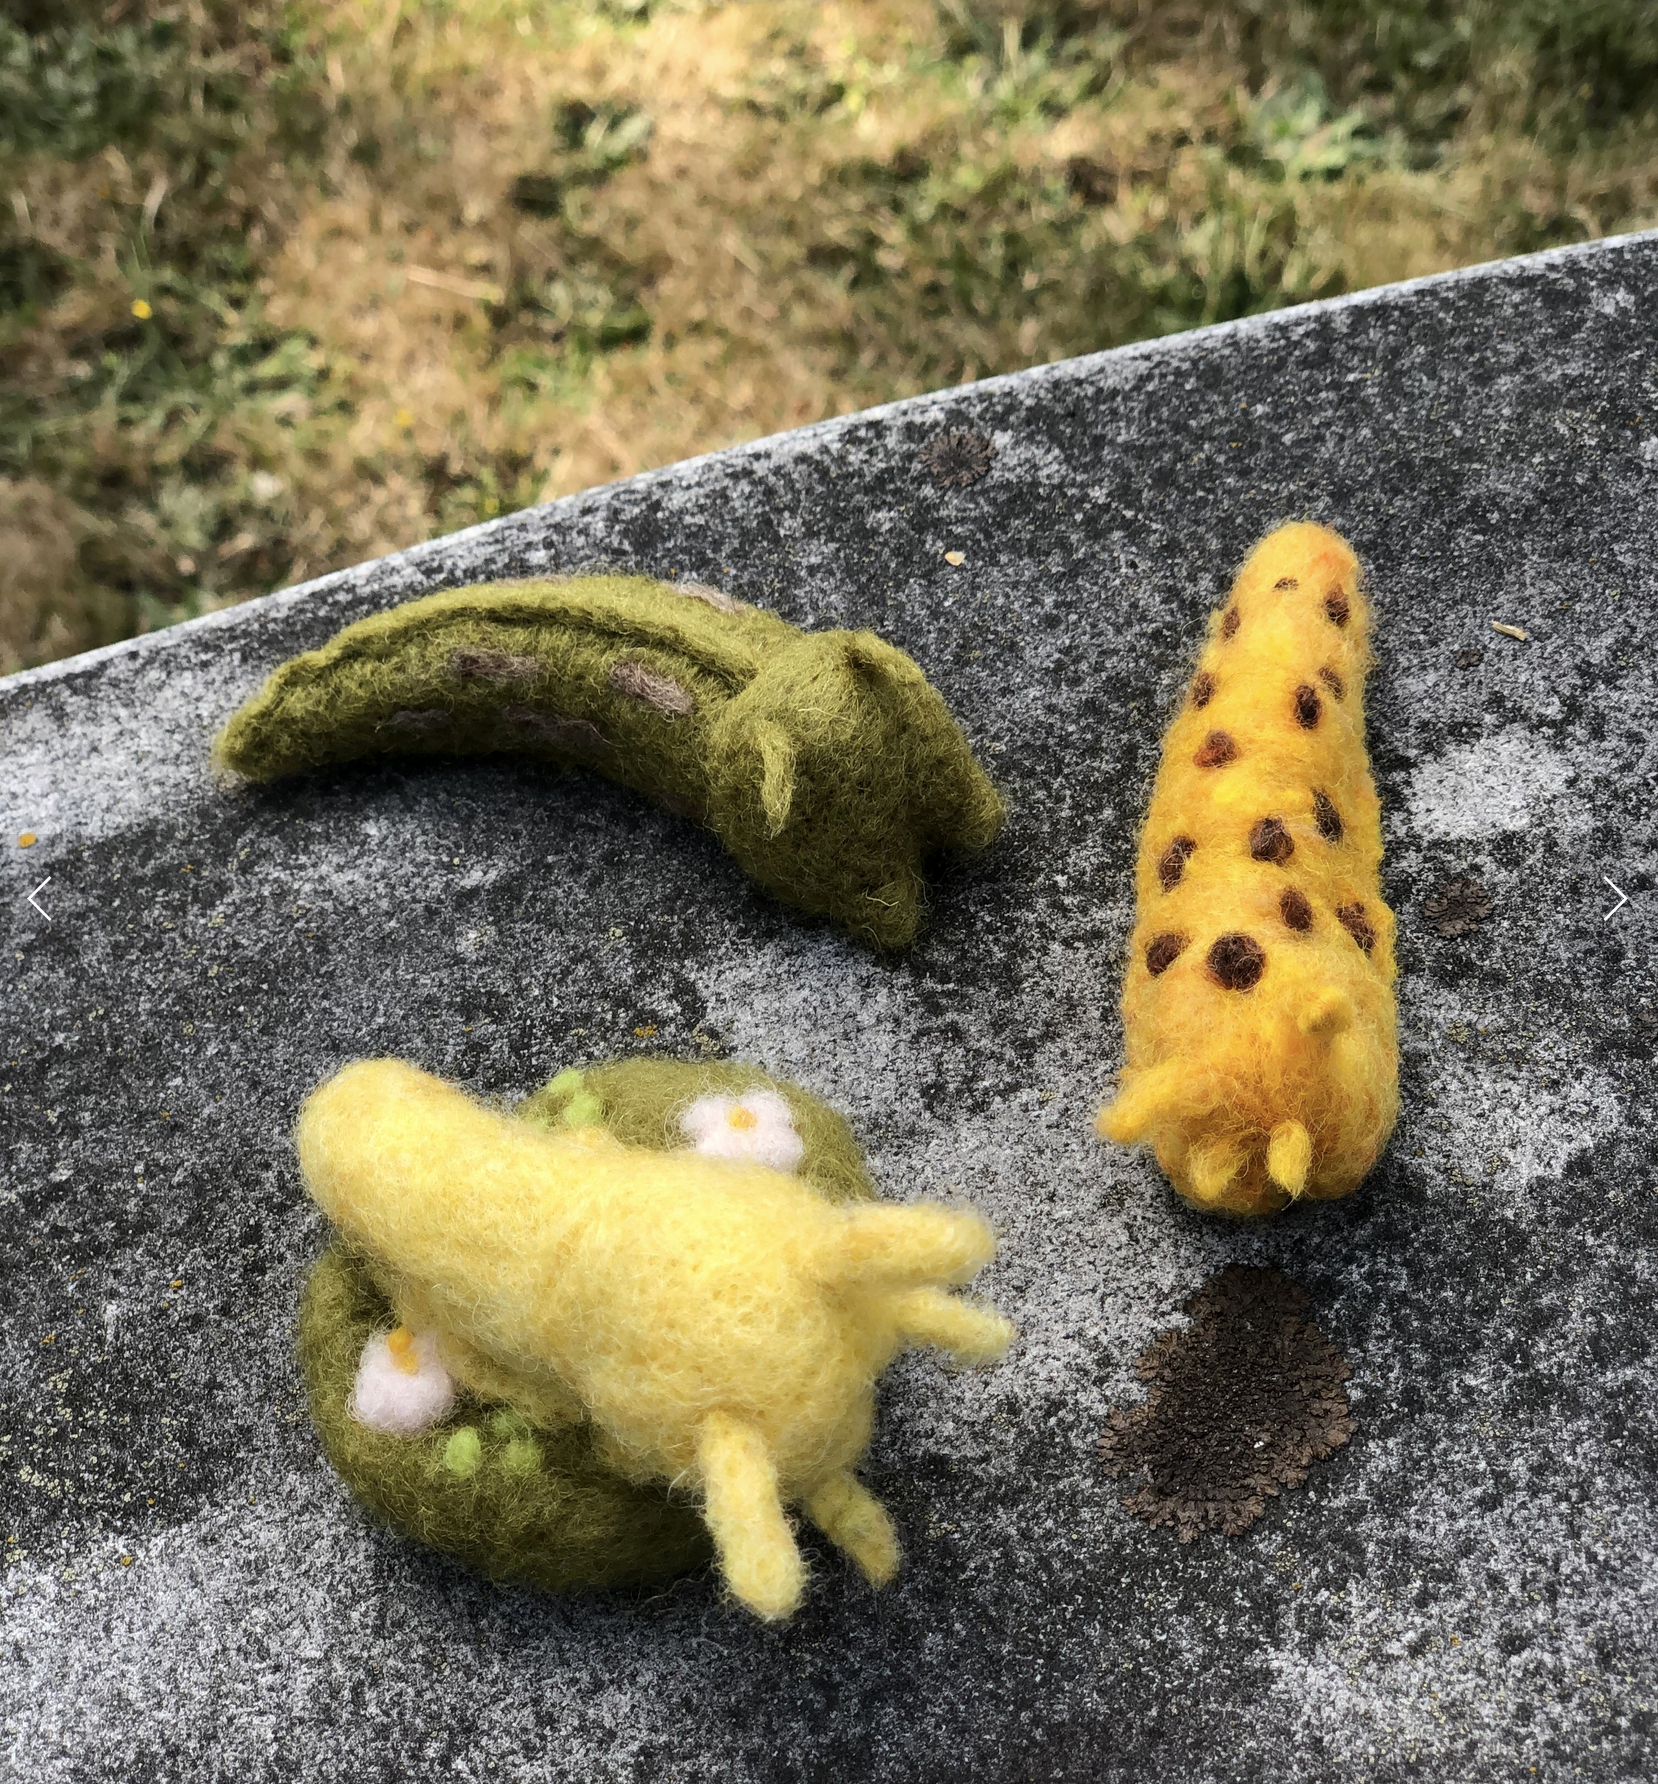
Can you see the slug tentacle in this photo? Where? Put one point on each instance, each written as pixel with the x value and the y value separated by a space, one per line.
pixel 745 1517
pixel 970 1334
pixel 855 1521
pixel 903 1245
pixel 828 765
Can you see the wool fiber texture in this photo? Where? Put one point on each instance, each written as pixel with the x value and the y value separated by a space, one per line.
pixel 1258 1010
pixel 696 1319
pixel 826 762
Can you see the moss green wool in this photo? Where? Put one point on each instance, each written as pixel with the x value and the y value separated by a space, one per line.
pixel 825 762
pixel 515 1500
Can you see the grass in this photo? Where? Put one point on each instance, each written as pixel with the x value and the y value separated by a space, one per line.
pixel 287 285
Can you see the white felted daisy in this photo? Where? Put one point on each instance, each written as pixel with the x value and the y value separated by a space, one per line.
pixel 756 1125
pixel 402 1387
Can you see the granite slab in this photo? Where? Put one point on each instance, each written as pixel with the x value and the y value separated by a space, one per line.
pixel 1468 1590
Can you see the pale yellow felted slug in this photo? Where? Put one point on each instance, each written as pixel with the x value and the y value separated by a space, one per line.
pixel 1258 1013
pixel 718 1323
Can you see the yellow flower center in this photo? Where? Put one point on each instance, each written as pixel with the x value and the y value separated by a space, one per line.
pixel 743 1119
pixel 401 1344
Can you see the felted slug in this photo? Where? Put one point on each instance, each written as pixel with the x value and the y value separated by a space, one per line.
pixel 825 762
pixel 1258 1013
pixel 584 1320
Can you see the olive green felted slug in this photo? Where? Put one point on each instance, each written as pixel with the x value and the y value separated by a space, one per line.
pixel 825 762
pixel 489 1474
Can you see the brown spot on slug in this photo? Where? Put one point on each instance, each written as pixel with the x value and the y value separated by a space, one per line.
pixel 1333 682
pixel 1216 751
pixel 1326 817
pixel 1337 606
pixel 475 663
pixel 1295 910
pixel 716 598
pixel 660 692
pixel 1171 864
pixel 1203 689
pixel 1286 582
pixel 416 723
pixel 555 731
pixel 1353 918
pixel 1229 625
pixel 1163 951
pixel 1270 841
pixel 1237 962
pixel 1308 707
pixel 1240 1403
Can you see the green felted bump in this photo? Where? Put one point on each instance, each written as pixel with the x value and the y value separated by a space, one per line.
pixel 512 1499
pixel 826 762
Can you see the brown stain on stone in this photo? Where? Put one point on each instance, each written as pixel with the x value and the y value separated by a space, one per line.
pixel 1309 709
pixel 1239 1406
pixel 1171 864
pixel 1163 951
pixel 1270 841
pixel 1236 962
pixel 1216 750
pixel 1295 910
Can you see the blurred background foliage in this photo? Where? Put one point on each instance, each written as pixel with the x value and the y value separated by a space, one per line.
pixel 288 283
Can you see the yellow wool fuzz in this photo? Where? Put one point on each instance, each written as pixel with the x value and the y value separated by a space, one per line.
pixel 719 1323
pixel 1258 1013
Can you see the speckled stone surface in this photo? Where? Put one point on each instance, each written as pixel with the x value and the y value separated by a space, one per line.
pixel 1468 1590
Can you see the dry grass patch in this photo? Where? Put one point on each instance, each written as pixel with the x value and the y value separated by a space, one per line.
pixel 401 268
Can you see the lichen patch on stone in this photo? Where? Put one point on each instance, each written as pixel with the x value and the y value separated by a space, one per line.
pixel 958 458
pixel 1241 1404
pixel 1459 904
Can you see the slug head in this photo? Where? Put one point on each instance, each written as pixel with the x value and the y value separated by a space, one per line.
pixel 836 773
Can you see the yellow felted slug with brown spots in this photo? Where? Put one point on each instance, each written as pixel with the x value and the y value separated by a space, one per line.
pixel 1258 1013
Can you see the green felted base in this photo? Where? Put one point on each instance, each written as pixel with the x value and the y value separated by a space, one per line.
pixel 513 1500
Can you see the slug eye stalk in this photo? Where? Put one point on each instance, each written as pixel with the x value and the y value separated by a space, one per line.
pixel 825 762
